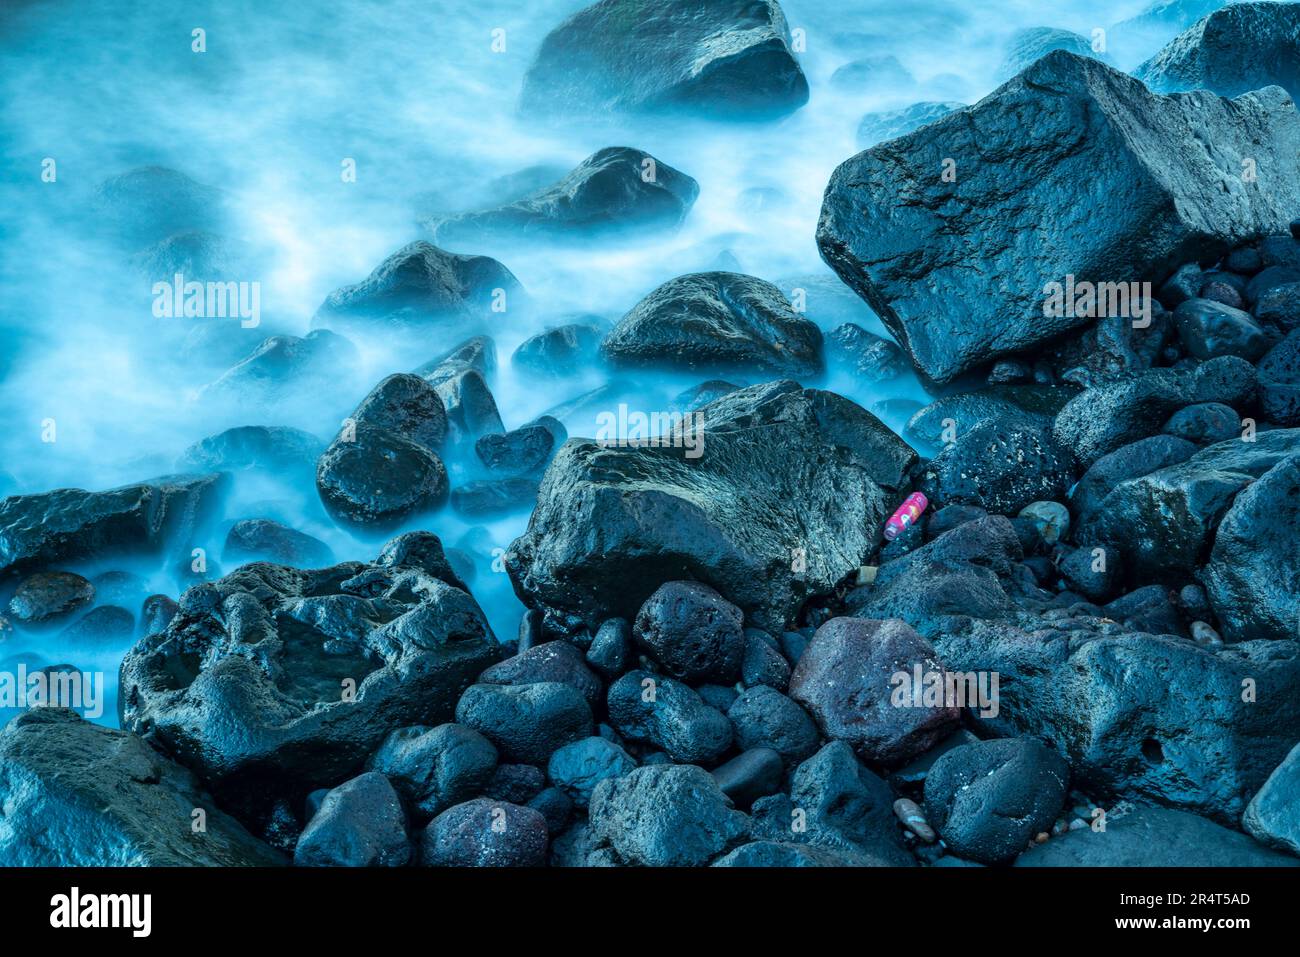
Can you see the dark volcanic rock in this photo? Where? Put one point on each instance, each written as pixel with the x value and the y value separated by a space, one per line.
pixel 271 448
pixel 844 679
pixel 1140 716
pixel 552 661
pixel 434 768
pixel 1129 461
pixel 614 188
pixel 1243 46
pixel 421 286
pixel 527 723
pixel 728 59
pixel 255 538
pixel 665 816
pixel 988 800
pixel 956 267
pixel 578 767
pixel 274 681
pixel 489 497
pixel 1033 43
pixel 891 124
pixel 784 854
pixel 485 833
pixel 359 824
pixel 753 774
pixel 374 478
pixel 1279 381
pixel 47 596
pixel 1001 468
pixel 150 203
pixel 867 356
pixel 477 352
pixel 765 718
pixel 1209 329
pixel 716 321
pixel 471 409
pixel 1273 815
pixel 525 451
pixel 1154 837
pixel 560 352
pixel 80 795
pixel 107 625
pixel 785 469
pixel 71 523
pixel 408 405
pixel 283 365
pixel 669 715
pixel 611 648
pixel 1204 423
pixel 1252 578
pixel 694 632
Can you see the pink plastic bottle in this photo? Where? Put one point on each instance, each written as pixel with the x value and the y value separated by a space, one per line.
pixel 906 516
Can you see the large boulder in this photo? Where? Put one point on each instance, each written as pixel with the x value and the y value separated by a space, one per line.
pixel 276 449
pixel 421 286
pixel 1141 716
pixel 847 681
pixel 1032 43
pixel 359 824
pixel 1252 579
pixel 375 478
pixel 718 58
pixel 783 503
pixel 956 266
pixel 68 524
pixel 284 366
pixel 716 322
pixel 79 795
pixel 1273 814
pixel 1243 46
pixel 272 682
pixel 614 188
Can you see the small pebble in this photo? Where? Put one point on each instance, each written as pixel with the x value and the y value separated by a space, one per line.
pixel 1205 636
pixel 1041 837
pixel 910 814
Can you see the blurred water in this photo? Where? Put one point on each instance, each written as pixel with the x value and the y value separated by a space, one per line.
pixel 414 93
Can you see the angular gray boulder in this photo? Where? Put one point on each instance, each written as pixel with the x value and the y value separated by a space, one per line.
pixel 715 58
pixel 956 267
pixel 1273 815
pixel 783 502
pixel 1243 46
pixel 77 794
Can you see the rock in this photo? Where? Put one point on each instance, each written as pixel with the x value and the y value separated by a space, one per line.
pixel 845 680
pixel 527 723
pixel 1204 423
pixel 1137 716
pixel 1272 816
pixel 377 479
pixel 81 795
pixel 1092 571
pixel 716 321
pixel 485 833
pixel 1209 329
pixel 516 783
pixel 471 409
pixel 282 365
pixel 865 355
pixel 1001 468
pixel 434 768
pixel 665 816
pixel 614 188
pixel 489 497
pixel 1129 461
pixel 1205 636
pixel 1154 837
pixel 1051 520
pixel 943 421
pixel 157 613
pixel 725 60
pixel 871 74
pixel 577 768
pixel 694 632
pixel 360 824
pixel 1279 307
pixel 1184 284
pixel 1279 381
pixel 750 775
pixel 344 655
pixel 765 718
pixel 889 218
pixel 70 524
pixel 1164 522
pixel 276 449
pixel 1031 44
pixel 421 287
pixel 262 538
pixel 1267 280
pixel 667 714
pixel 1243 46
pixel 780 854
pixel 408 405
pixel 1252 581
pixel 149 203
pixel 721 697
pixel 611 648
pixel 560 352
pixel 762 664
pixel 556 661
pixel 888 125
pixel 48 596
pixel 477 353
pixel 988 799
pixel 800 468
pixel 106 625
pixel 524 451
pixel 911 817
pixel 1103 419
pixel 554 805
